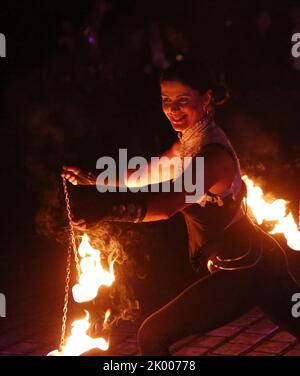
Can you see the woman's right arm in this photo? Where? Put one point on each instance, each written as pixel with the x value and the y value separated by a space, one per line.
pixel 158 170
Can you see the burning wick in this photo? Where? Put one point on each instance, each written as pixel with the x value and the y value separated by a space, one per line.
pixel 92 276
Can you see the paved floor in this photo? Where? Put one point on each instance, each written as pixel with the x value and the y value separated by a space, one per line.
pixel 251 335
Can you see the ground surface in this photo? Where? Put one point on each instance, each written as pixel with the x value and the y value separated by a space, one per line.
pixel 34 303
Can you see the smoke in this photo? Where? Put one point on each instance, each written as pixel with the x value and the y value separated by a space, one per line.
pixel 50 216
pixel 42 160
pixel 116 242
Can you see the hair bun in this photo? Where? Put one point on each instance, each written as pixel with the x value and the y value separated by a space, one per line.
pixel 220 94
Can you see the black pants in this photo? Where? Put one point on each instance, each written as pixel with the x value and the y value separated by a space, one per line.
pixel 223 296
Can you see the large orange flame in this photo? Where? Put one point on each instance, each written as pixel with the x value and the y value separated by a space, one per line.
pixel 272 210
pixel 92 276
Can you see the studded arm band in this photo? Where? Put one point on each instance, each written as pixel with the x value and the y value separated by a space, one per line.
pixel 127 212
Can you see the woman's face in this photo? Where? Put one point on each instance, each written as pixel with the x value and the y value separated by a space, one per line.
pixel 183 105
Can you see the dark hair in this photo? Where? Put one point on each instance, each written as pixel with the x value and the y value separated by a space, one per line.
pixel 198 76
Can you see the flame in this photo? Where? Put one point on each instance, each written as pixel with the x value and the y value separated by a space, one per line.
pixel 274 210
pixel 106 317
pixel 92 276
pixel 79 342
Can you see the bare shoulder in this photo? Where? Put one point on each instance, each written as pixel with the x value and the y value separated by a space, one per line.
pixel 220 166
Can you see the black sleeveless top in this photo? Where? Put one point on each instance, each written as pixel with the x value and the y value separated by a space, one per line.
pixel 209 219
pixel 207 225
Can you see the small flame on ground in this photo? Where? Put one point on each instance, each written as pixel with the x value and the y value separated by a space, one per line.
pixel 92 276
pixel 272 210
pixel 79 342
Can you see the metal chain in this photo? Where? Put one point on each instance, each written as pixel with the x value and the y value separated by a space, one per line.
pixel 66 298
pixel 71 229
pixel 72 245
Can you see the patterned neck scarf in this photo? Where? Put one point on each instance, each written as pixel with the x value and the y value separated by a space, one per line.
pixel 190 138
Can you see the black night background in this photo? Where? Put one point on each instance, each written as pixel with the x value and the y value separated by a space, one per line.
pixel 81 80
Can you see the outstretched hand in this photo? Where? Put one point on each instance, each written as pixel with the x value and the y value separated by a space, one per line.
pixel 76 176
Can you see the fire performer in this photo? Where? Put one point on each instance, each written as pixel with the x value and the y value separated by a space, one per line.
pixel 247 267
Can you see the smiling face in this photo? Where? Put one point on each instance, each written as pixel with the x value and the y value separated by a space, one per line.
pixel 183 105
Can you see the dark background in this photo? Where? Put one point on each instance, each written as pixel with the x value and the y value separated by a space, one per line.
pixel 81 79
